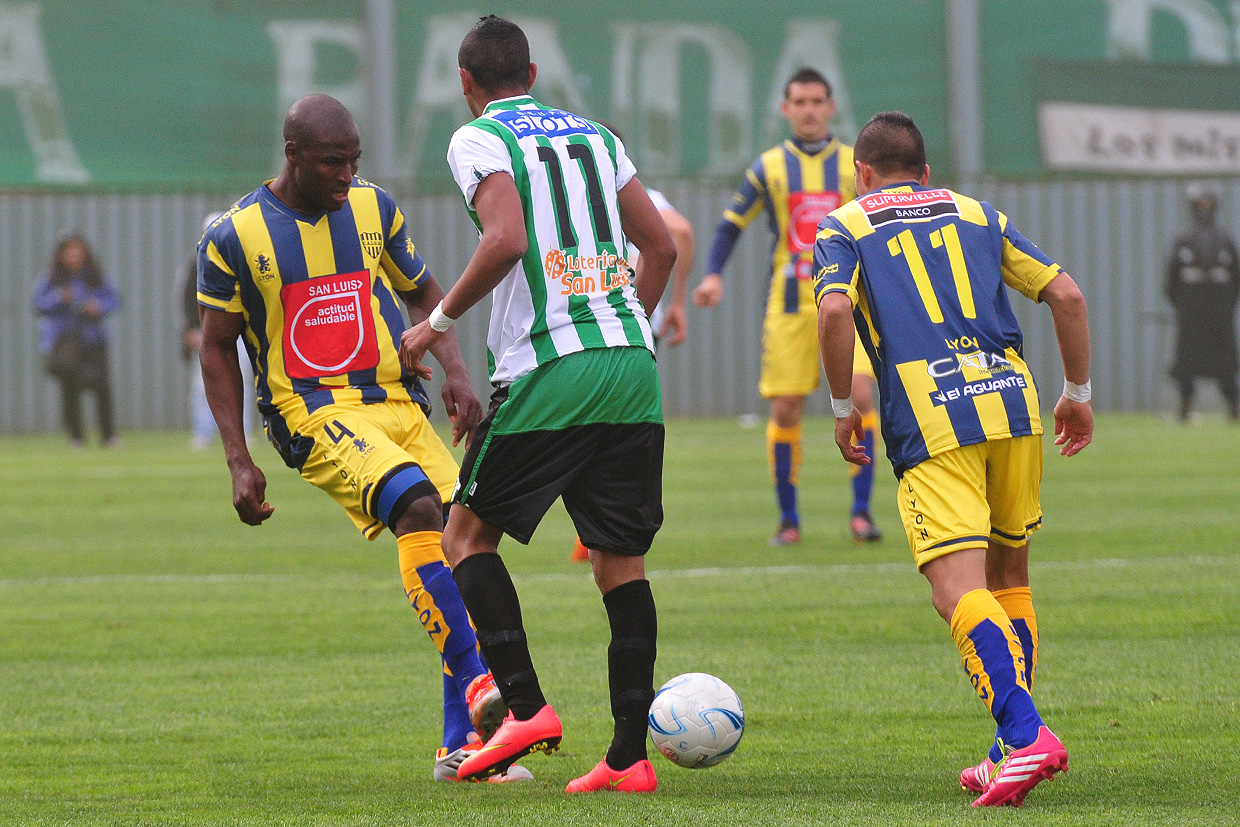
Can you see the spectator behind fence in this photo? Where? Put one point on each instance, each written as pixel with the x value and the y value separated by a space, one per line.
pixel 74 299
pixel 201 422
pixel 1203 284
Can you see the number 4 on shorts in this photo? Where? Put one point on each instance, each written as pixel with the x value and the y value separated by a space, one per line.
pixel 339 434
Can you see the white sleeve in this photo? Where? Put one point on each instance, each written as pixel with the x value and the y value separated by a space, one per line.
pixel 660 201
pixel 625 171
pixel 473 154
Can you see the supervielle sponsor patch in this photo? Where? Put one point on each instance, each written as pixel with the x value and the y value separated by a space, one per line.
pixel 887 207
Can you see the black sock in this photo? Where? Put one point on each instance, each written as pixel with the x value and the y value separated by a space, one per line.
pixel 630 669
pixel 488 593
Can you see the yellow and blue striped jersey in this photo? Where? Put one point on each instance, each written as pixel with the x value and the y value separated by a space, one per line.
pixel 319 297
pixel 796 190
pixel 925 270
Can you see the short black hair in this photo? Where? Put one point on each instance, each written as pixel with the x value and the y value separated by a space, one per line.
pixel 890 142
pixel 806 75
pixel 497 55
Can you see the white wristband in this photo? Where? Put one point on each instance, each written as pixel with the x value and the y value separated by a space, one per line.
pixel 1075 392
pixel 842 408
pixel 439 320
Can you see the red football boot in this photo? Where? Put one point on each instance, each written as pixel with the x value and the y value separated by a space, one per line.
pixel 511 741
pixel 638 778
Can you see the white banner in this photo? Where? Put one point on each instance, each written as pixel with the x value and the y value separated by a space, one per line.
pixel 1083 136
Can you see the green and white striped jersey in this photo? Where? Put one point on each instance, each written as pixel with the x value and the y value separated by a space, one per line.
pixel 573 290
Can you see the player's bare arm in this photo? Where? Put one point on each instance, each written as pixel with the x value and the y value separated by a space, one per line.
pixel 675 324
pixel 644 226
pixel 1074 421
pixel 460 401
pixel 835 340
pixel 221 376
pixel 709 291
pixel 501 246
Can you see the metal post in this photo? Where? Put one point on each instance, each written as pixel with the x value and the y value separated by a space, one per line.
pixel 381 105
pixel 964 91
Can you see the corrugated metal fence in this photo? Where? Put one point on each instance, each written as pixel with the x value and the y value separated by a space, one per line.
pixel 1113 236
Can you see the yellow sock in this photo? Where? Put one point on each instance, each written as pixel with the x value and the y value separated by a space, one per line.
pixel 418 549
pixel 1017 603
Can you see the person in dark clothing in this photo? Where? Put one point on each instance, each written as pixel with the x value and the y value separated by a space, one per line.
pixel 1203 284
pixel 73 298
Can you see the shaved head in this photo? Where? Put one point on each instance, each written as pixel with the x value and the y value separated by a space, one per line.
pixel 321 151
pixel 319 119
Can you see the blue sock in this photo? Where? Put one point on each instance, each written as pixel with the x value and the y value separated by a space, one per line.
pixel 863 477
pixel 784 454
pixel 1012 707
pixel 1025 635
pixel 989 653
pixel 785 491
pixel 460 647
pixel 456 724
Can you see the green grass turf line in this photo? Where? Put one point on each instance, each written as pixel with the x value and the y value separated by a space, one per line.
pixel 161 663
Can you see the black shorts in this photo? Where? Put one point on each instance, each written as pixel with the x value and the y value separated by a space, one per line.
pixel 610 476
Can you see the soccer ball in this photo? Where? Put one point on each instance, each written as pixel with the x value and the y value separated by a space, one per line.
pixel 696 720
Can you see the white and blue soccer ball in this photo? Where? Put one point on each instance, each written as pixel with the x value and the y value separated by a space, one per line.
pixel 696 720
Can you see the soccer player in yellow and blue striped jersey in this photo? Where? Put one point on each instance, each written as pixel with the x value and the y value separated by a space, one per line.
pixel 310 270
pixel 920 273
pixel 795 184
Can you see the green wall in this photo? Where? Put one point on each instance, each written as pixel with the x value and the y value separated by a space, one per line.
pixel 146 94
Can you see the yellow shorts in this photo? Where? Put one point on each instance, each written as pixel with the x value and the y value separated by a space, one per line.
pixel 791 361
pixel 971 496
pixel 357 446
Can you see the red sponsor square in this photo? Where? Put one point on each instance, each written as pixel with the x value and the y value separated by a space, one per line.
pixel 329 329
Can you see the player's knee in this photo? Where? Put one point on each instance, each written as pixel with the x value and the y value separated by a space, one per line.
pixel 944 603
pixel 465 535
pixel 425 513
pixel 612 569
pixel 786 410
pixel 862 392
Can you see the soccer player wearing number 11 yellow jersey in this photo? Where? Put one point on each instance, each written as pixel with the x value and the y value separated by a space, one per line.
pixel 922 273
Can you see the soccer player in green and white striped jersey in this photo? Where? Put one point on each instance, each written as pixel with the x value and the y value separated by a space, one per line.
pixel 577 411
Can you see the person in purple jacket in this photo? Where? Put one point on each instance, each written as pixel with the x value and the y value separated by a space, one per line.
pixel 73 299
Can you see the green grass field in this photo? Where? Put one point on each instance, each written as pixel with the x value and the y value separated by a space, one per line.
pixel 161 663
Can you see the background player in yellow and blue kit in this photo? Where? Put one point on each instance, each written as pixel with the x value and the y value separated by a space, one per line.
pixel 309 269
pixel 921 273
pixel 795 184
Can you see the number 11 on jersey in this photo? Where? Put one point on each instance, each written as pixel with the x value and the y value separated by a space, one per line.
pixel 906 244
